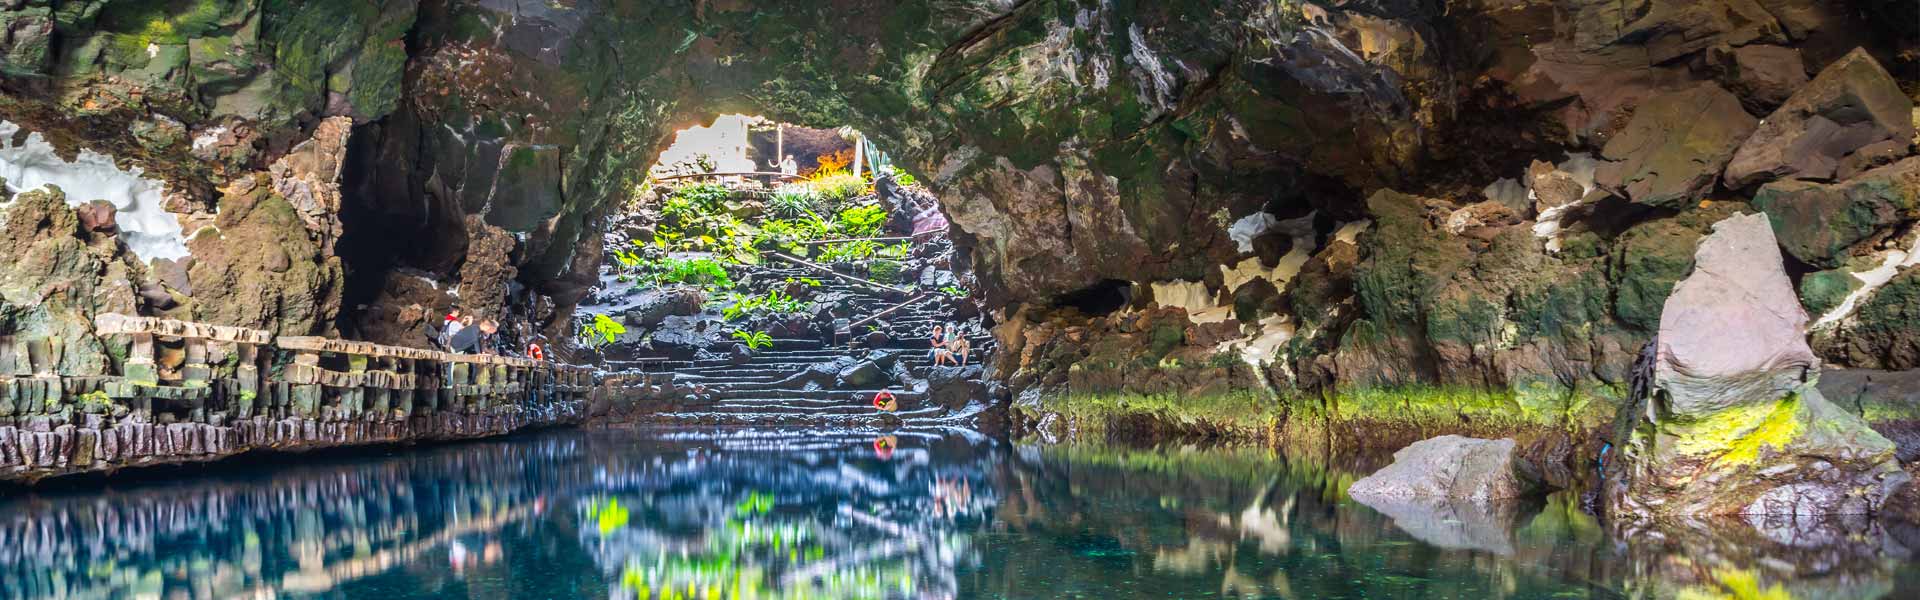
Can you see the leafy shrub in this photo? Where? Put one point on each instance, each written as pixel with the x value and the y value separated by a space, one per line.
pixel 776 302
pixel 837 186
pixel 848 251
pixel 693 271
pixel 861 221
pixel 901 177
pixel 629 260
pixel 600 331
pixel 953 291
pixel 884 271
pixel 792 202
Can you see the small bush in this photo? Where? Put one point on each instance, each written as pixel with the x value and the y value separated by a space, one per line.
pixel 837 186
pixel 793 202
pixel 861 221
pixel 601 331
pixel 884 271
pixel 848 251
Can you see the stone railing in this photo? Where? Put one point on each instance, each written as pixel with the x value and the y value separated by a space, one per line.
pixel 194 392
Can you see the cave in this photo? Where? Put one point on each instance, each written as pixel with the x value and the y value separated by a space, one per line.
pixel 1452 232
pixel 1100 299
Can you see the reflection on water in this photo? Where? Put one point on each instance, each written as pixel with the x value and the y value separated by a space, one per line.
pixel 679 514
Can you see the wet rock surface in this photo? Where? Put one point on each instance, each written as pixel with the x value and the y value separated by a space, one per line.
pixel 1306 205
pixel 1736 424
pixel 1451 468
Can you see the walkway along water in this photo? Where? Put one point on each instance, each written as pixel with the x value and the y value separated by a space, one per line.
pixel 193 392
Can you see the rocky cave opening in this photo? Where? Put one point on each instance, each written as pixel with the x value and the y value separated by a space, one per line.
pixel 1355 223
pixel 1100 299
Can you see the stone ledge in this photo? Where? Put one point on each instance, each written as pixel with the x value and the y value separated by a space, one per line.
pixel 114 323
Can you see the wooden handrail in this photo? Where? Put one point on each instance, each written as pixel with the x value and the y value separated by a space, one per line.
pixel 834 273
pixel 896 238
pixel 729 174
pixel 916 299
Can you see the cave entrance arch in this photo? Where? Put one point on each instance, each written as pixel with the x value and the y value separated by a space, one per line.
pixel 1070 142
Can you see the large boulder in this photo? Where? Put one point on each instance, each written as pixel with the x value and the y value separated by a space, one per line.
pixel 654 306
pixel 1735 424
pixel 1449 467
pixel 55 275
pixel 956 387
pixel 1733 330
pixel 1765 76
pixel 1883 332
pixel 1817 222
pixel 1673 149
pixel 1853 104
pixel 259 267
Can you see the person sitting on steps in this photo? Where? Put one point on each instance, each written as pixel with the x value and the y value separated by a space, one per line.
pixel 939 339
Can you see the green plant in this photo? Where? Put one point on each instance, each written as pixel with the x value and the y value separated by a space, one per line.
pixel 849 251
pixel 755 340
pixel 901 177
pixel 704 272
pixel 742 305
pixel 954 291
pixel 792 202
pixel 861 221
pixel 776 301
pixel 629 259
pixel 837 186
pixel 808 281
pixel 601 331
pixel 885 271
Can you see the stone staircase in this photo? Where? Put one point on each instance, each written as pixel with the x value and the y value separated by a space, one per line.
pixel 771 387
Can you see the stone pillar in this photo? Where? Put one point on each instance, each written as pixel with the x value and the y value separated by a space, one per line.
pixel 140 369
pixel 304 377
pixel 246 377
pixel 378 388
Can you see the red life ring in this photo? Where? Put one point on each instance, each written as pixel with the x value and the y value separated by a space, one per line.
pixel 883 400
pixel 535 352
pixel 884 447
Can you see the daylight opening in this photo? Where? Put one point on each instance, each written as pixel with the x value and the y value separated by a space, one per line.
pixel 770 259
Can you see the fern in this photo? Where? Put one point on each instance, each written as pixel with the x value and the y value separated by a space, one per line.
pixel 755 340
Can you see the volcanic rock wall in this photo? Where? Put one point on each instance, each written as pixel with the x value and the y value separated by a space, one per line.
pixel 1337 195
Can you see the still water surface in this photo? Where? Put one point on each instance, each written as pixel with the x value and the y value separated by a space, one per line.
pixel 943 514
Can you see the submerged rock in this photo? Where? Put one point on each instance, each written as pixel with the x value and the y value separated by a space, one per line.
pixel 1452 524
pixel 1449 467
pixel 1736 425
